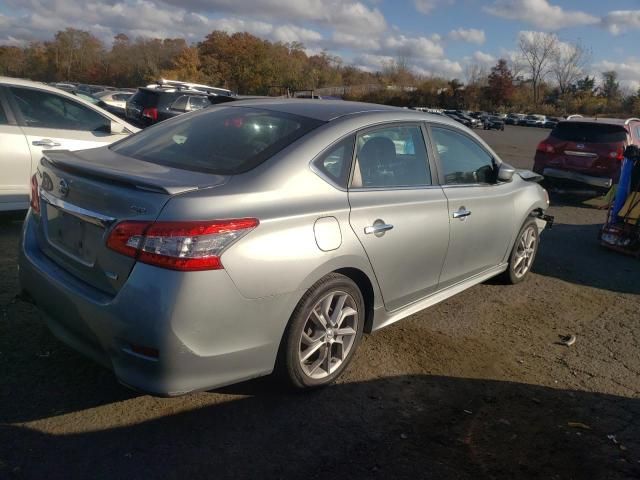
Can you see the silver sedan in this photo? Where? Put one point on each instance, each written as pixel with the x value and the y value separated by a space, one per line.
pixel 267 235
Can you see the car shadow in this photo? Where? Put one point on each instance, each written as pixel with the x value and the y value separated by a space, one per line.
pixel 414 426
pixel 573 253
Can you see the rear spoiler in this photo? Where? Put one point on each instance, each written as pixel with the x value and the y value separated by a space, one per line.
pixel 104 165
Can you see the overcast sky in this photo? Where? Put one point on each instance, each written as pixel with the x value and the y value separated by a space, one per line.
pixel 436 36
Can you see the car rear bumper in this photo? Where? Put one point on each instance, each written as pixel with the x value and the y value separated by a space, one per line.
pixel 600 182
pixel 205 332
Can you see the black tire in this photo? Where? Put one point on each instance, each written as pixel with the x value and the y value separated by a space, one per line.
pixel 511 275
pixel 289 365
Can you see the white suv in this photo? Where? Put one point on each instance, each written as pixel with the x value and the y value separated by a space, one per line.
pixel 36 117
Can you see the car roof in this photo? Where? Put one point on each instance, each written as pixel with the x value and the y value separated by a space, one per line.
pixel 323 110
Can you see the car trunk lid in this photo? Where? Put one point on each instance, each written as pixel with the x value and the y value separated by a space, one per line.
pixel 84 194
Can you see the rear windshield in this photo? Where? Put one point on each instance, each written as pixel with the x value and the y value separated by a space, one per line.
pixel 222 140
pixel 145 98
pixel 589 132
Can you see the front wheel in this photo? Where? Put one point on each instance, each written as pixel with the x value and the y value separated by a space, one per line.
pixel 523 253
pixel 323 333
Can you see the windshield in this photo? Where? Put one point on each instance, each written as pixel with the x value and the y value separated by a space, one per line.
pixel 221 140
pixel 589 132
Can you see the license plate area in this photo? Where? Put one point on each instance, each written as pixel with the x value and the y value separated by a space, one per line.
pixel 72 235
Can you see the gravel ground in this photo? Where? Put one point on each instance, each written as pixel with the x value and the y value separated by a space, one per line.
pixel 475 387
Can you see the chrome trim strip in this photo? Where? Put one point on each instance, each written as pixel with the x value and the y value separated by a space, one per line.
pixel 573 153
pixel 87 215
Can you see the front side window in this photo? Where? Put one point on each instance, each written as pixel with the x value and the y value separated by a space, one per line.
pixel 393 156
pixel 336 162
pixel 223 140
pixel 463 160
pixel 48 110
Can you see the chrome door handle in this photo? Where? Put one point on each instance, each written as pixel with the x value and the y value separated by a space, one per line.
pixel 462 213
pixel 377 228
pixel 45 142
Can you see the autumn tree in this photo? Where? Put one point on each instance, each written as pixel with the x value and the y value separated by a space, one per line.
pixel 499 89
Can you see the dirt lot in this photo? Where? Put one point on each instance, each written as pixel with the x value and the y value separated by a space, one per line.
pixel 476 387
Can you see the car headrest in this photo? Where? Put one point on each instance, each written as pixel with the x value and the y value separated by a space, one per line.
pixel 375 154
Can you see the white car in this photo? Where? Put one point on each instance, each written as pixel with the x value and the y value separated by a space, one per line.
pixel 36 117
pixel 536 120
pixel 115 99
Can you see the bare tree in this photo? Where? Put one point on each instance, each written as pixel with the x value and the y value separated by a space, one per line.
pixel 569 62
pixel 475 75
pixel 538 50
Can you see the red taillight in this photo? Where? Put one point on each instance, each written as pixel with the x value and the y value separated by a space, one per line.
pixel 545 147
pixel 183 246
pixel 150 113
pixel 618 154
pixel 35 194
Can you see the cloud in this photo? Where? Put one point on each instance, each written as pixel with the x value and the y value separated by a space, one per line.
pixel 619 21
pixel 356 29
pixel 427 6
pixel 471 35
pixel 628 72
pixel 540 13
pixel 484 58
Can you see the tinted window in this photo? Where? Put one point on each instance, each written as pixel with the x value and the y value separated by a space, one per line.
pixel 145 98
pixel 463 160
pixel 224 140
pixel 391 157
pixel 589 132
pixel 336 163
pixel 3 116
pixel 48 110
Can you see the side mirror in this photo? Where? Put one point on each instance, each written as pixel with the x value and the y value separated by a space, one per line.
pixel 116 128
pixel 506 172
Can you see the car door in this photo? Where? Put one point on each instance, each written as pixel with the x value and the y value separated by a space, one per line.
pixel 15 161
pixel 398 213
pixel 480 208
pixel 52 121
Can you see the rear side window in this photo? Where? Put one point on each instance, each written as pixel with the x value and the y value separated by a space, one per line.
pixel 589 132
pixel 197 103
pixel 336 162
pixel 222 140
pixel 181 103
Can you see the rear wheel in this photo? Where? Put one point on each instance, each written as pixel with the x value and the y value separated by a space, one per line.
pixel 523 253
pixel 323 333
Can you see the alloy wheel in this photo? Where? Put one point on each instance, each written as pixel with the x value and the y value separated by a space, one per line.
pixel 328 335
pixel 525 251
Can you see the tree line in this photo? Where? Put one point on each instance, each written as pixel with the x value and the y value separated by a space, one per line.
pixel 546 76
